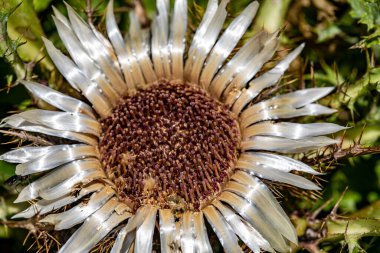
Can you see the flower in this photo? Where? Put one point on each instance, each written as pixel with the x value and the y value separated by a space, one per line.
pixel 184 142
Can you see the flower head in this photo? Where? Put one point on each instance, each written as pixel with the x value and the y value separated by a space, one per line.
pixel 169 133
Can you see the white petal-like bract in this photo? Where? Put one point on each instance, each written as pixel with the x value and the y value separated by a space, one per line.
pixel 73 186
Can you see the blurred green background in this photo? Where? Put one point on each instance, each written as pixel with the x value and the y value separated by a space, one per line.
pixel 342 49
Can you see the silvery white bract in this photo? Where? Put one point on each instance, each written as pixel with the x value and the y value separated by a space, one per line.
pixel 105 69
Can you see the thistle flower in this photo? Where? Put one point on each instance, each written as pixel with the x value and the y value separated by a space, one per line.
pixel 168 133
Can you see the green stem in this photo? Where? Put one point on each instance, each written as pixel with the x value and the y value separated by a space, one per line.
pixel 271 15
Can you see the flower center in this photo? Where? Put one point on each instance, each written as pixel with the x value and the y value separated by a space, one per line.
pixel 171 145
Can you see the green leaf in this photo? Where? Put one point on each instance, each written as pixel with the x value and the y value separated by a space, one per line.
pixel 41 5
pixel 328 33
pixel 6 171
pixel 353 245
pixel 367 11
pixel 369 41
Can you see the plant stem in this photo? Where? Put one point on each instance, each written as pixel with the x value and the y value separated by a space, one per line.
pixel 271 15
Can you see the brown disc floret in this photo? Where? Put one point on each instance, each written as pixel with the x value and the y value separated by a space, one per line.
pixel 171 145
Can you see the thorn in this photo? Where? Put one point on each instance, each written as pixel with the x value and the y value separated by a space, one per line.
pixel 336 74
pixel 352 114
pixel 89 11
pixel 312 74
pixel 141 14
pixel 361 133
pixel 335 208
pixel 343 138
pixel 319 209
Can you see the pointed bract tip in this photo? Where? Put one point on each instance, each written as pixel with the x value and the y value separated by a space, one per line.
pixel 55 10
pixel 45 40
pixel 20 199
pixel 315 188
pixel 110 6
pixel 330 88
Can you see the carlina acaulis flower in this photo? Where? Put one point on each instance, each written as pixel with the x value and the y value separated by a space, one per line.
pixel 172 136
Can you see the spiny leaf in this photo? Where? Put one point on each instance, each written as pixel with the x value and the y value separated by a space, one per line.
pixel 355 227
pixel 23 25
pixel 8 46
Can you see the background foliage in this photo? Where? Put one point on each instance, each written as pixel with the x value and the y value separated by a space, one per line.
pixel 342 49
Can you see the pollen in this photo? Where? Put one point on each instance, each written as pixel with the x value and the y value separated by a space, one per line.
pixel 171 145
